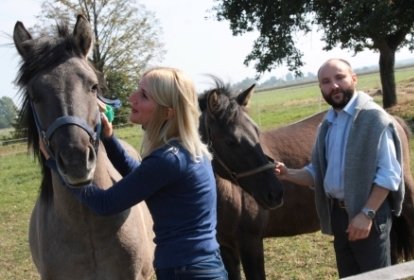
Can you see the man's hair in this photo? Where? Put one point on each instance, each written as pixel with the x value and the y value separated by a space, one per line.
pixel 335 59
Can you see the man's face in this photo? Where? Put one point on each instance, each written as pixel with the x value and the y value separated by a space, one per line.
pixel 337 83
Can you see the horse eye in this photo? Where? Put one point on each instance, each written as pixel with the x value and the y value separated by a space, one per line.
pixel 95 88
pixel 34 98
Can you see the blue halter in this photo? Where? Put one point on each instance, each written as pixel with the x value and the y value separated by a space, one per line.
pixel 46 135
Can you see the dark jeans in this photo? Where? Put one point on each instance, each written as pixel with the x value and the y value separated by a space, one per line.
pixel 211 268
pixel 354 257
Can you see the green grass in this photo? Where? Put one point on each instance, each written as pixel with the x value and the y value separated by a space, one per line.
pixel 308 256
pixel 20 179
pixel 283 106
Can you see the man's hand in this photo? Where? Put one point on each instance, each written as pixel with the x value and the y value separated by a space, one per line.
pixel 280 170
pixel 359 228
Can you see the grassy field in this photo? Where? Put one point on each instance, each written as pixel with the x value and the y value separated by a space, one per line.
pixel 307 256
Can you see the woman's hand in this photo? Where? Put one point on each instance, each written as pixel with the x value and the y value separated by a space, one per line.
pixel 107 129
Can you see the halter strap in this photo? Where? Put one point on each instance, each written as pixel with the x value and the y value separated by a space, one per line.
pixel 70 120
pixel 234 175
pixel 94 133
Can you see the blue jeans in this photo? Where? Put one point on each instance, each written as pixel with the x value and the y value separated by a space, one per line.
pixel 211 268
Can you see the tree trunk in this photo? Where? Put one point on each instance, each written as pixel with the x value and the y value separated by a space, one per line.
pixel 386 63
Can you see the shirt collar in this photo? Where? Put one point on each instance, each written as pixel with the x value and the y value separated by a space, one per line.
pixel 349 109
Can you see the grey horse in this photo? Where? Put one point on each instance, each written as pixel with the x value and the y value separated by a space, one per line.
pixel 67 241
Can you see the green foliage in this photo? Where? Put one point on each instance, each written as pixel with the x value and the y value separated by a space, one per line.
pixel 372 24
pixel 354 25
pixel 120 86
pixel 126 38
pixel 379 25
pixel 8 112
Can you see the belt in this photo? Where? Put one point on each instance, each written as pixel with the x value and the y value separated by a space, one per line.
pixel 338 203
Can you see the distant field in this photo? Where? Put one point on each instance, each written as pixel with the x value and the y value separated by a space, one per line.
pixel 307 256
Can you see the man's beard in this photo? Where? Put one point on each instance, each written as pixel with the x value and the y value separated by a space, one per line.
pixel 347 95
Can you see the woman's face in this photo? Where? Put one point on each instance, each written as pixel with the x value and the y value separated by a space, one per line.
pixel 142 105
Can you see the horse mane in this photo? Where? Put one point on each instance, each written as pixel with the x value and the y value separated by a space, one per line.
pixel 226 109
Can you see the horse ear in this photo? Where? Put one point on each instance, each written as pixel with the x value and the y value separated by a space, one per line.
pixel 82 35
pixel 22 39
pixel 244 97
pixel 213 102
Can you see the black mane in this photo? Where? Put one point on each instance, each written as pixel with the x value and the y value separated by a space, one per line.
pixel 228 109
pixel 45 52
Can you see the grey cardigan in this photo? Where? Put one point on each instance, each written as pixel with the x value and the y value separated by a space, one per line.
pixel 369 123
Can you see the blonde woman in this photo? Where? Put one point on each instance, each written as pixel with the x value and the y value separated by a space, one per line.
pixel 175 177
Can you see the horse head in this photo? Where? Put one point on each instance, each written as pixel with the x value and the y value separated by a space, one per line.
pixel 234 140
pixel 59 89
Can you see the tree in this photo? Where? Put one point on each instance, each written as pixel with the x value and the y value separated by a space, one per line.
pixel 8 112
pixel 383 26
pixel 289 77
pixel 126 38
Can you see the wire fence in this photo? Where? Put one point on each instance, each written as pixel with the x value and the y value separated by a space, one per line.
pixel 11 146
pixel 13 141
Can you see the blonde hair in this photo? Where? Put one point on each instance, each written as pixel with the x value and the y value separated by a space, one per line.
pixel 172 90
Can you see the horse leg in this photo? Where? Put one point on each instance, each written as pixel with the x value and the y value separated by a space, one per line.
pixel 231 262
pixel 252 257
pixel 228 222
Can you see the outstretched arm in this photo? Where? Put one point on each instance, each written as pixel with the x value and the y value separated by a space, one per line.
pixel 298 176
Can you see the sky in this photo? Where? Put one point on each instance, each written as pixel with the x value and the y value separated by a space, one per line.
pixel 194 42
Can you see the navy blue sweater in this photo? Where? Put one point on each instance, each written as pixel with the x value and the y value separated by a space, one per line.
pixel 180 194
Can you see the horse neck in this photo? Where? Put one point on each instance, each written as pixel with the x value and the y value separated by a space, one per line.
pixel 105 173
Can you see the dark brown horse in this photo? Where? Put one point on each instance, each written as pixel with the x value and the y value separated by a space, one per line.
pixel 230 132
pixel 243 223
pixel 67 240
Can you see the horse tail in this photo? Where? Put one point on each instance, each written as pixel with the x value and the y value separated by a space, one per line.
pixel 402 233
pixel 402 240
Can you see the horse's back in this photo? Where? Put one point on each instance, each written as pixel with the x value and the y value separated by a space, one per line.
pixel 292 144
